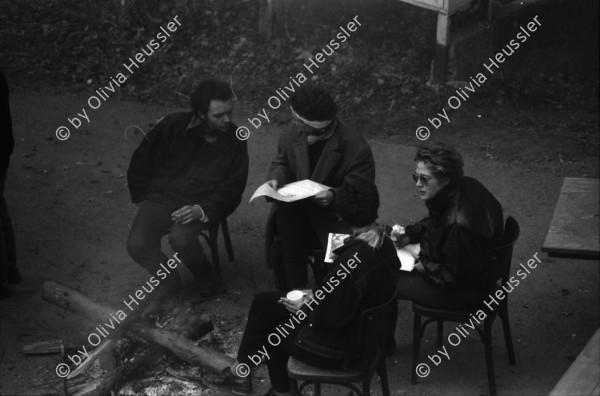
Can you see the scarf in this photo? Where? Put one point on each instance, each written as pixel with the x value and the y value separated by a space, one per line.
pixel 373 235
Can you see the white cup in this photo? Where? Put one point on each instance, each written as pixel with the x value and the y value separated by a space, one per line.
pixel 295 295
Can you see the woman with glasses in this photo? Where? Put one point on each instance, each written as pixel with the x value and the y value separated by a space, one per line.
pixel 464 221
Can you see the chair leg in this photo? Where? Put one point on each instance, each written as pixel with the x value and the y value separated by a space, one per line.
pixel 227 238
pixel 489 359
pixel 214 250
pixel 440 333
pixel 507 334
pixel 366 386
pixel 382 372
pixel 294 387
pixel 317 389
pixel 315 270
pixel 416 347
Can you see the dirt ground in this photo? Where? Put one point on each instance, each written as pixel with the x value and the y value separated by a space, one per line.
pixel 72 213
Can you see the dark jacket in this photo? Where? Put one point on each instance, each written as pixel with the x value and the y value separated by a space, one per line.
pixel 346 159
pixel 464 222
pixel 7 142
pixel 334 326
pixel 180 165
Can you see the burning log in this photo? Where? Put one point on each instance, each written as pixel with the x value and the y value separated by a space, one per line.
pixel 177 338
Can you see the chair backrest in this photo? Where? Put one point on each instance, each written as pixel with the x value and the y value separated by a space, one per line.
pixel 499 259
pixel 373 325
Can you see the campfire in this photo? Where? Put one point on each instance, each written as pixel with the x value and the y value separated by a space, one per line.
pixel 152 350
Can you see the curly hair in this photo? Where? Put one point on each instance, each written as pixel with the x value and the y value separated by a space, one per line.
pixel 357 205
pixel 208 88
pixel 313 103
pixel 443 161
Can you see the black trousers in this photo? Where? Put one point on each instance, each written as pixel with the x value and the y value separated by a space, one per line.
pixel 418 288
pixel 296 239
pixel 261 334
pixel 151 223
pixel 8 255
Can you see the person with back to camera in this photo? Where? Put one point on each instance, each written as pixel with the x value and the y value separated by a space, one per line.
pixel 465 221
pixel 326 328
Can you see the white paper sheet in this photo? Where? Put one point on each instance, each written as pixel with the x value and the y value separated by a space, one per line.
pixel 290 192
pixel 408 255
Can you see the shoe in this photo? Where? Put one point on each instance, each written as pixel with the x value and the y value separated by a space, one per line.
pixel 227 381
pixel 4 291
pixel 14 276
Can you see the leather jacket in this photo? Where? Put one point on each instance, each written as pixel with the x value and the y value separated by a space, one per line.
pixel 464 222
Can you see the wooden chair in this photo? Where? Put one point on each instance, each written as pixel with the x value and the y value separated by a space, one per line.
pixel 498 261
pixel 211 238
pixel 316 260
pixel 373 323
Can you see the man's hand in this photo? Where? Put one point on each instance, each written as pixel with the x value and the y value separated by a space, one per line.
pixel 273 183
pixel 187 214
pixel 323 198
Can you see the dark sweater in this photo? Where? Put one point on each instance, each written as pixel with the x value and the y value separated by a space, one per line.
pixel 180 165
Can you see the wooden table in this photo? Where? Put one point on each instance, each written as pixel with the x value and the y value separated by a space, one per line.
pixel 574 233
pixel 583 376
pixel 574 229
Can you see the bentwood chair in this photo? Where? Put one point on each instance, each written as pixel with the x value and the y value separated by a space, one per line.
pixel 498 262
pixel 373 323
pixel 211 238
pixel 316 260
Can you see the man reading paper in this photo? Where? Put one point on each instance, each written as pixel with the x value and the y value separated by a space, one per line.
pixel 321 148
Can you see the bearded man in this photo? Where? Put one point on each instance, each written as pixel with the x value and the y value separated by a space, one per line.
pixel 187 176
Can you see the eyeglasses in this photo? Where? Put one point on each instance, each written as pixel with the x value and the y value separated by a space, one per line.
pixel 424 179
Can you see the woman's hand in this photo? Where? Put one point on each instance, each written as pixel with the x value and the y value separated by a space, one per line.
pixel 419 268
pixel 294 306
pixel 402 241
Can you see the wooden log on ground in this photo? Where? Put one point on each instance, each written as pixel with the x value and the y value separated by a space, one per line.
pixel 46 347
pixel 104 385
pixel 75 301
pixel 182 321
pixel 80 303
pixel 181 347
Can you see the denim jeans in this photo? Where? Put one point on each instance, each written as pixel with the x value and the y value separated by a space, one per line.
pixel 152 222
